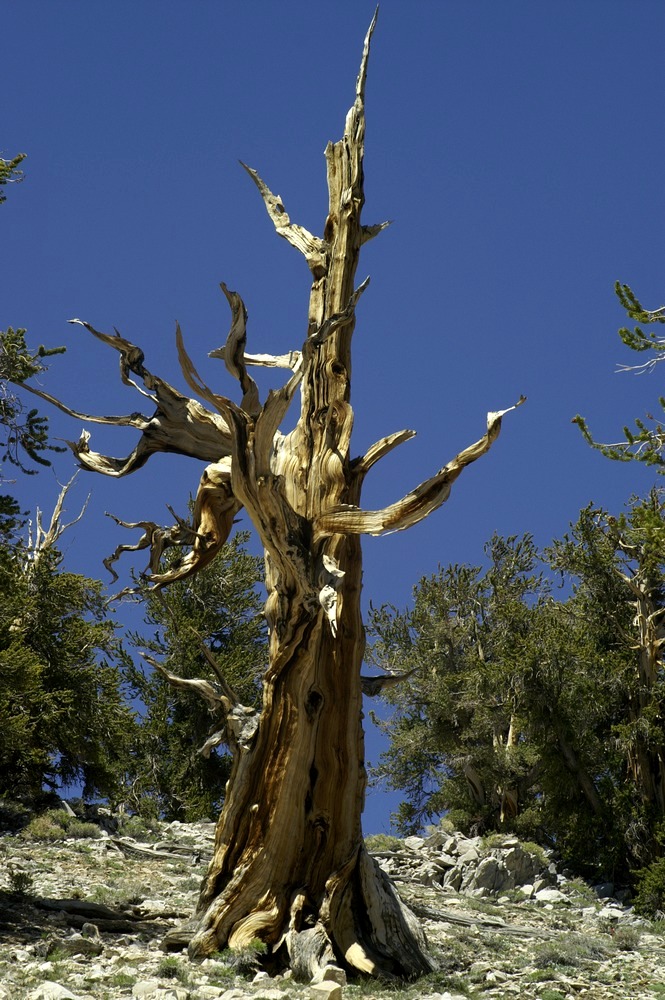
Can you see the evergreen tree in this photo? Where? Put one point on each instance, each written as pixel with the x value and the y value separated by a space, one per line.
pixel 10 173
pixel 207 626
pixel 538 715
pixel 646 442
pixel 457 739
pixel 23 432
pixel 618 568
pixel 63 718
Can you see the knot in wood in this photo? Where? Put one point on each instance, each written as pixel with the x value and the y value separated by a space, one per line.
pixel 313 703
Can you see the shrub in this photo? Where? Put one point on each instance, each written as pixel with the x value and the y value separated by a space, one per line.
pixel 244 961
pixel 172 968
pixel 137 827
pixel 80 831
pixel 626 938
pixel 569 950
pixel 20 882
pixel 650 889
pixel 44 827
pixel 56 824
pixel 383 842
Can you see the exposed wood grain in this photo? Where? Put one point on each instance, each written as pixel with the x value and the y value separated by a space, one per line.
pixel 289 863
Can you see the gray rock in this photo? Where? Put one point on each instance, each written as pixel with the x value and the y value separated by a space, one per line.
pixel 604 890
pixel 331 974
pixel 325 991
pixel 75 945
pixel 453 879
pixel 19 955
pixel 436 840
pixel 469 857
pixel 146 988
pixel 490 875
pixel 551 896
pixel 610 913
pixel 521 865
pixel 446 860
pixel 51 991
pixel 544 881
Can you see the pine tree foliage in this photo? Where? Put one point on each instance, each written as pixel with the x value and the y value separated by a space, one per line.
pixel 644 443
pixel 63 716
pixel 212 618
pixel 10 173
pixel 23 432
pixel 538 695
pixel 453 741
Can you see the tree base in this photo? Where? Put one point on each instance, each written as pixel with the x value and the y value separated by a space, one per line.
pixel 362 926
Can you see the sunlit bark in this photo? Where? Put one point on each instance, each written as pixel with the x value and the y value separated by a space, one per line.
pixel 289 864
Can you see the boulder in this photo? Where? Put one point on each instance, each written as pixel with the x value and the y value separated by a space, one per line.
pixel 491 875
pixel 521 865
pixel 551 896
pixel 325 991
pixel 51 991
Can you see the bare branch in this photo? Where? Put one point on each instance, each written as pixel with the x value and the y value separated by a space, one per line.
pixel 192 377
pixel 369 232
pixel 156 538
pixel 214 511
pixel 647 366
pixel 234 353
pixel 311 247
pixel 44 540
pixel 132 420
pixel 375 452
pixel 338 319
pixel 197 685
pixel 415 506
pixel 266 438
pixel 371 686
pixel 290 360
pixel 131 357
pixel 229 697
pixel 362 73
pixel 179 424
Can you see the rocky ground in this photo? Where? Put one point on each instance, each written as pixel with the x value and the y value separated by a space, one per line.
pixel 83 909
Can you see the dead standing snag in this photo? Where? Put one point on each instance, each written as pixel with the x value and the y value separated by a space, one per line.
pixel 289 864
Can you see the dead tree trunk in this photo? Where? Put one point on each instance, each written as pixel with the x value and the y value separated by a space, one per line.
pixel 289 865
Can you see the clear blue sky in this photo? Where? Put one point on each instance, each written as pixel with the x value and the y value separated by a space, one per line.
pixel 518 147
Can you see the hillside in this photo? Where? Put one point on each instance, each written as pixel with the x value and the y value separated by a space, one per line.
pixel 84 907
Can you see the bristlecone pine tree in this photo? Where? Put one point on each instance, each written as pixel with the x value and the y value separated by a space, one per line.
pixel 289 864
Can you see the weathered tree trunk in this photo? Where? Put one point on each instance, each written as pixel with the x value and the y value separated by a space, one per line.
pixel 646 751
pixel 289 865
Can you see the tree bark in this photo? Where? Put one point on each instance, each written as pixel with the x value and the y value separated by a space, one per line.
pixel 289 864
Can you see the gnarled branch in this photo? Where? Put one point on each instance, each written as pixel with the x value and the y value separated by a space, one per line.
pixel 313 248
pixel 372 686
pixel 415 506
